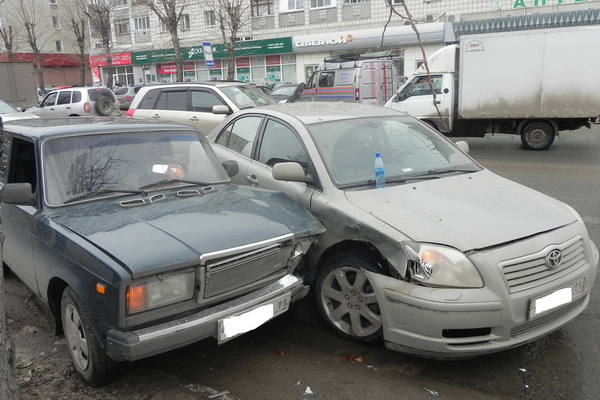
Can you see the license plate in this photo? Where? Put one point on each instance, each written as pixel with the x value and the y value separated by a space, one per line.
pixel 555 299
pixel 235 325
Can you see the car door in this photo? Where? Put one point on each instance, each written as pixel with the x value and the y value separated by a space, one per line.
pixel 201 111
pixel 46 107
pixel 280 143
pixel 172 105
pixel 236 142
pixel 63 104
pixel 18 220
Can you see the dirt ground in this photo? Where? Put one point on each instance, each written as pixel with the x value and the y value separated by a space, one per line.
pixel 44 370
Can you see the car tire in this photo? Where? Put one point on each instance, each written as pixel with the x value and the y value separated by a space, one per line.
pixel 104 106
pixel 89 360
pixel 346 299
pixel 537 136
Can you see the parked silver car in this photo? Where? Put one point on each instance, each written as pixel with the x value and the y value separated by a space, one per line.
pixel 200 104
pixel 77 101
pixel 126 94
pixel 448 260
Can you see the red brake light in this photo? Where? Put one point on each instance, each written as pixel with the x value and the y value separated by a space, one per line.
pixel 86 107
pixel 130 112
pixel 128 98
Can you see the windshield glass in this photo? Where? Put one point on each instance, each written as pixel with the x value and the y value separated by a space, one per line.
pixel 245 96
pixel 125 161
pixel 284 90
pixel 7 108
pixel 409 150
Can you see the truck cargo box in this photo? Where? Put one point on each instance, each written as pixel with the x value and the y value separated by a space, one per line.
pixel 550 73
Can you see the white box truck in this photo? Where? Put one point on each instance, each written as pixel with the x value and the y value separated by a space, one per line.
pixel 529 83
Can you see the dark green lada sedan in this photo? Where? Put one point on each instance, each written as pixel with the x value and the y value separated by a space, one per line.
pixel 134 236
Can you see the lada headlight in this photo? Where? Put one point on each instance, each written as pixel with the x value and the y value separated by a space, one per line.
pixel 436 265
pixel 160 290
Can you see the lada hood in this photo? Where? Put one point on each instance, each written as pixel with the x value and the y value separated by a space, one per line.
pixel 469 211
pixel 178 230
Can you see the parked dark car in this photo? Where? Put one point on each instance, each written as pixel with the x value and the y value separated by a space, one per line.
pixel 134 236
pixel 287 92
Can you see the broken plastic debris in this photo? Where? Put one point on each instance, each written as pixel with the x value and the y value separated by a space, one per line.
pixel 353 359
pixel 308 391
pixel 522 370
pixel 433 392
pixel 214 396
pixel 279 352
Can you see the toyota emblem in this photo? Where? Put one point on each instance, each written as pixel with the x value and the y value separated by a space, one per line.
pixel 554 258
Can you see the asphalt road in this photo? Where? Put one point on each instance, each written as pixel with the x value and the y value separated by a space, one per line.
pixel 296 356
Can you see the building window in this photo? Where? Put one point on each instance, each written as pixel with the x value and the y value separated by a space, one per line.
pixel 59 46
pixel 209 18
pixel 121 26
pixel 184 22
pixel 53 2
pixel 356 1
pixel 262 7
pixel 55 22
pixel 142 23
pixel 295 5
pixel 397 1
pixel 320 3
pixel 121 3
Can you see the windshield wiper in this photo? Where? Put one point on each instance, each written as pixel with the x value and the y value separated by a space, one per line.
pixel 449 170
pixel 162 182
pixel 99 192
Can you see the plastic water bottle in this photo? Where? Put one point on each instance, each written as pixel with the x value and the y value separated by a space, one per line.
pixel 379 172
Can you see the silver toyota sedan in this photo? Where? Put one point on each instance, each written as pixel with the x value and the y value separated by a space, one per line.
pixel 448 260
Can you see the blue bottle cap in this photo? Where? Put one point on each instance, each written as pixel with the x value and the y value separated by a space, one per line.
pixel 377 154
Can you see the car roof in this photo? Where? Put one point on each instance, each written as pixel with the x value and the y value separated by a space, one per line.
pixel 44 128
pixel 200 83
pixel 310 112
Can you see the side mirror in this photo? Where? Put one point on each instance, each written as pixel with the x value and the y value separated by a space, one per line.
pixel 221 109
pixel 464 146
pixel 231 167
pixel 17 193
pixel 289 171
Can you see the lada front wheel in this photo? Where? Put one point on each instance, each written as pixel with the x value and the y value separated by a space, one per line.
pixel 346 299
pixel 89 360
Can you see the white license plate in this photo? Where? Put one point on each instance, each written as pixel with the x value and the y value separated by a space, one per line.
pixel 235 325
pixel 555 299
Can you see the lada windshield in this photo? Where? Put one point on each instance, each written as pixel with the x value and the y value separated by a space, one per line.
pixel 410 150
pixel 86 166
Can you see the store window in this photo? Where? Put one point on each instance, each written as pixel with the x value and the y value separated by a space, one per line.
pixel 123 76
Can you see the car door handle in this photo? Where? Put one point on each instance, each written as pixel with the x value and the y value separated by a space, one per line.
pixel 156 116
pixel 194 118
pixel 252 179
pixel 438 102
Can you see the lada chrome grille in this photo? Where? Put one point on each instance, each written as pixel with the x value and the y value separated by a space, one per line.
pixel 531 271
pixel 227 274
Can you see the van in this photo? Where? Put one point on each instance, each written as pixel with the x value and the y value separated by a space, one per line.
pixel 354 78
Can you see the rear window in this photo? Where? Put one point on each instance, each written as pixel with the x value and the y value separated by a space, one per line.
pixel 96 93
pixel 121 90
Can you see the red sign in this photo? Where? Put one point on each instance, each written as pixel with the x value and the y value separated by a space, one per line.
pixel 117 59
pixel 242 62
pixel 273 60
pixel 171 68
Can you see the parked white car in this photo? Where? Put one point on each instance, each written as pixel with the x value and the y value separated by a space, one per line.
pixel 77 101
pixel 449 260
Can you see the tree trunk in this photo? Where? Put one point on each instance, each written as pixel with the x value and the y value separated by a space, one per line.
pixel 8 385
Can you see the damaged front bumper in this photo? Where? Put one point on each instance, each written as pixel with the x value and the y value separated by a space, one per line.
pixel 211 322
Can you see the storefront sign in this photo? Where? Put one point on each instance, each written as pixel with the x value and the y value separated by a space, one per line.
pixel 249 48
pixel 117 59
pixel 435 32
pixel 171 68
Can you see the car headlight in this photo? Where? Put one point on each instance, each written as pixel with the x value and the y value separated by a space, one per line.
pixel 160 290
pixel 436 265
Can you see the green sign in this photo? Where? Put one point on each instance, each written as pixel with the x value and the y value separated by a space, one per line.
pixel 249 48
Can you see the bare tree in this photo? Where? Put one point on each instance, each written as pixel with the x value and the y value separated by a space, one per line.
pixel 232 16
pixel 28 15
pixel 78 23
pixel 169 12
pixel 99 13
pixel 8 37
pixel 413 25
